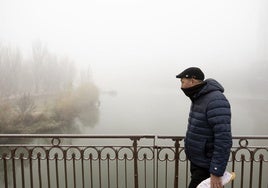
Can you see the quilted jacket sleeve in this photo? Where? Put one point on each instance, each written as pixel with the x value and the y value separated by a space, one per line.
pixel 219 118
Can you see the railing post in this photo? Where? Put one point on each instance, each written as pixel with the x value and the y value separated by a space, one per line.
pixel 135 157
pixel 4 156
pixel 176 173
pixel 13 167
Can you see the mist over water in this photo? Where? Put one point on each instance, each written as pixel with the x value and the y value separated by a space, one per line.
pixel 140 113
pixel 134 49
pixel 166 113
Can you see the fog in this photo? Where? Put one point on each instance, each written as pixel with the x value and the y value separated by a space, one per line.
pixel 134 48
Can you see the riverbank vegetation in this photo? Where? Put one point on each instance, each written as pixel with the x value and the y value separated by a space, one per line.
pixel 44 93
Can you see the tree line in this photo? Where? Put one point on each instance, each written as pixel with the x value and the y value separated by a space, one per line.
pixel 41 94
pixel 43 72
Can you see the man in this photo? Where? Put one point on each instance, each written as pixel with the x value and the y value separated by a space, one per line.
pixel 208 138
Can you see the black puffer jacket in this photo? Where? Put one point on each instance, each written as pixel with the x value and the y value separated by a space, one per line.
pixel 208 138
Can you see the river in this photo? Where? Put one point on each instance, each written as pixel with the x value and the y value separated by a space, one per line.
pixel 165 112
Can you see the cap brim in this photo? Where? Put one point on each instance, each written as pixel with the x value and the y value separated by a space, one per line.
pixel 179 76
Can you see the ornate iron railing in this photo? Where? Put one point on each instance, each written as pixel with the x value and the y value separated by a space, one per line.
pixel 117 161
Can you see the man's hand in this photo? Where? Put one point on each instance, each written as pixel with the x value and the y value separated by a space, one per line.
pixel 215 181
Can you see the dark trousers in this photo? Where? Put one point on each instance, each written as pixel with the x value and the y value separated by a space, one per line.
pixel 198 174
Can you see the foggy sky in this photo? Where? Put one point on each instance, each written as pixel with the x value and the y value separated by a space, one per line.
pixel 138 46
pixel 131 40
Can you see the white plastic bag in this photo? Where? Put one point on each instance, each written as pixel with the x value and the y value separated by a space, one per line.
pixel 227 177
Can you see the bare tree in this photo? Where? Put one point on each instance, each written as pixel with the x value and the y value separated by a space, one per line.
pixel 39 52
pixel 51 74
pixel 10 66
pixel 67 72
pixel 25 104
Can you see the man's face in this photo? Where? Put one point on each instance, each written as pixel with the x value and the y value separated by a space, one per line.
pixel 187 82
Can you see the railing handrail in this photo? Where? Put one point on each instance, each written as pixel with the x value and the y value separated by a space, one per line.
pixel 117 136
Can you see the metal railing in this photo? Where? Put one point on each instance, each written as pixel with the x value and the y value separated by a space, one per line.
pixel 118 161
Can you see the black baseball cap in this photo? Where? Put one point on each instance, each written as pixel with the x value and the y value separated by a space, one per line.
pixel 192 72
